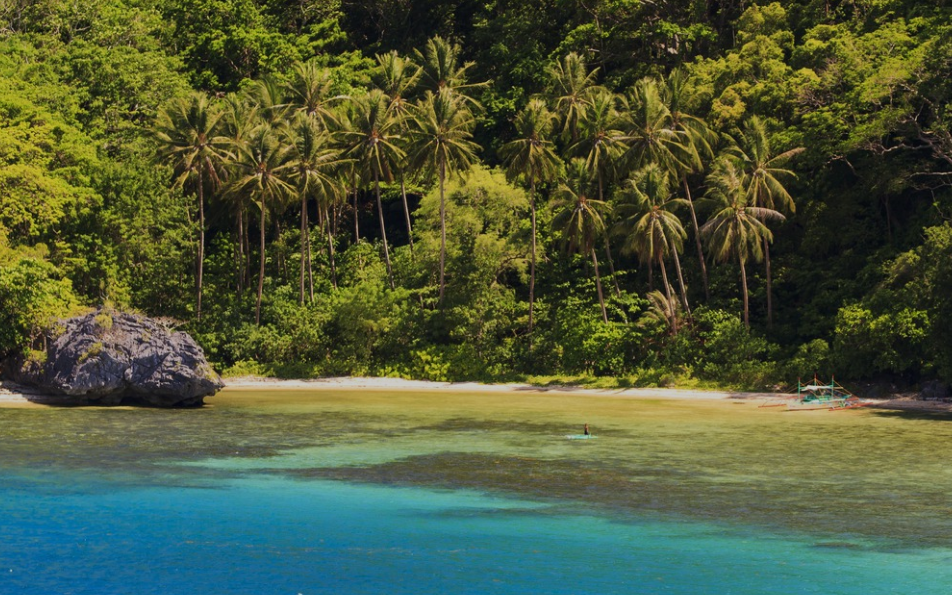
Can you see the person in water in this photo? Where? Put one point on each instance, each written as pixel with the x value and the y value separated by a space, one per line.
pixel 586 431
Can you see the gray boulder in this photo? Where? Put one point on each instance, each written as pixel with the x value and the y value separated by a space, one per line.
pixel 109 357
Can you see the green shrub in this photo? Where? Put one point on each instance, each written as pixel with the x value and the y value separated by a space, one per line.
pixel 730 354
pixel 247 368
pixel 33 295
pixel 813 358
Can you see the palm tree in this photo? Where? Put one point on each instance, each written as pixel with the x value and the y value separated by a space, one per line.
pixel 601 145
pixel 764 186
pixel 570 85
pixel 650 134
pixel 443 70
pixel 268 96
pixel 699 140
pixel 313 164
pixel 398 77
pixel 532 156
pixel 188 132
pixel 737 229
pixel 310 91
pixel 579 218
pixel 662 309
pixel 262 173
pixel 441 145
pixel 371 141
pixel 652 230
pixel 239 118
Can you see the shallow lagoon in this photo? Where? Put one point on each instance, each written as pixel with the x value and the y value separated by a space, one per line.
pixel 370 492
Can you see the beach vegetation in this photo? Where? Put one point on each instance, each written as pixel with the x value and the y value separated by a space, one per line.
pixel 620 192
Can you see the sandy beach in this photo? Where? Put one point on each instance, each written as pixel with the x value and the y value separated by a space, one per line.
pixel 12 395
pixel 399 384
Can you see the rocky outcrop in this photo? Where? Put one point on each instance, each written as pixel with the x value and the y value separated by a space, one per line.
pixel 109 357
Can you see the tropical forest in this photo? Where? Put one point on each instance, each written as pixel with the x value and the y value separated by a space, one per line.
pixel 640 192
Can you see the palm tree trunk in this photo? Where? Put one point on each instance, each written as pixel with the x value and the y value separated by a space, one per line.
pixel 260 268
pixel 442 230
pixel 281 269
pixel 611 266
pixel 684 292
pixel 598 286
pixel 240 264
pixel 330 250
pixel 532 262
pixel 356 222
pixel 201 244
pixel 310 262
pixel 246 265
pixel 406 211
pixel 383 229
pixel 769 284
pixel 667 291
pixel 608 247
pixel 337 213
pixel 303 244
pixel 743 282
pixel 697 238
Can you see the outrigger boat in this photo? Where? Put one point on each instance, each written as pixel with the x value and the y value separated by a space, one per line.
pixel 815 395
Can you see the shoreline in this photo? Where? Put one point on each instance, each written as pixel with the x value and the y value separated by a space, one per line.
pixel 16 396
pixel 400 384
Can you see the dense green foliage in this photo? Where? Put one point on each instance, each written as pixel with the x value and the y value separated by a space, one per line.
pixel 677 191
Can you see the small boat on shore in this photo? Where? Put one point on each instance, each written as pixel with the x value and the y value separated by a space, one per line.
pixel 823 396
pixel 816 395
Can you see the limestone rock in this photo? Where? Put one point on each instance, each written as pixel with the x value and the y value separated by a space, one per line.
pixel 109 357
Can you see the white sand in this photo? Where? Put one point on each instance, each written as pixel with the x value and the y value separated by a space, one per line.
pixel 347 383
pixel 13 395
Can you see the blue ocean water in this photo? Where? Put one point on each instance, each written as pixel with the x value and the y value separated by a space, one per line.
pixel 268 535
pixel 309 494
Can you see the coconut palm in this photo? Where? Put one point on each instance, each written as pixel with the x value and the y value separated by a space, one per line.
pixel 440 145
pixel 444 70
pixel 698 140
pixel 650 227
pixel 239 118
pixel 649 131
pixel 262 172
pixel 570 86
pixel 313 163
pixel 268 96
pixel 600 143
pixel 664 310
pixel 188 133
pixel 398 77
pixel 310 91
pixel 578 216
pixel 737 230
pixel 532 157
pixel 371 141
pixel 764 186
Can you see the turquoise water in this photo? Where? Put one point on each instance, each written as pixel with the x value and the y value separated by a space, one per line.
pixel 373 494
